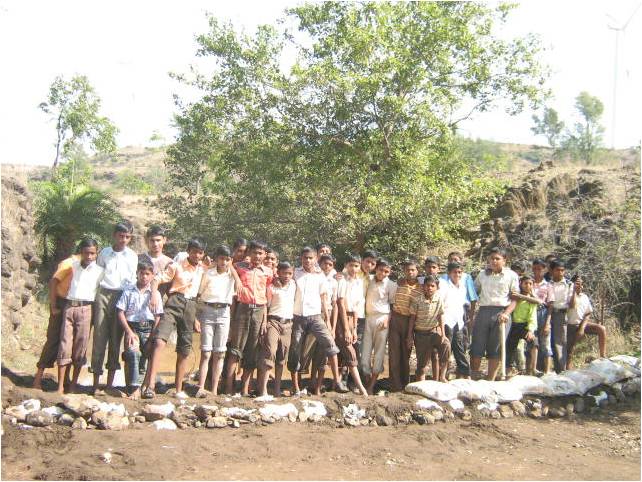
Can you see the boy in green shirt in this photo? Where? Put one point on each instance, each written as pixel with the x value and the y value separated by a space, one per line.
pixel 524 325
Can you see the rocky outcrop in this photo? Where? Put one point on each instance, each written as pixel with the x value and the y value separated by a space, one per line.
pixel 19 260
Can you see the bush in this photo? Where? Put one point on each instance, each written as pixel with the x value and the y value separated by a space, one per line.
pixel 133 183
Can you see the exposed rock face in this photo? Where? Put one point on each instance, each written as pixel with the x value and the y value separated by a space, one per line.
pixel 19 262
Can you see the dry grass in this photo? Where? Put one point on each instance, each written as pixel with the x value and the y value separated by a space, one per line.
pixel 618 342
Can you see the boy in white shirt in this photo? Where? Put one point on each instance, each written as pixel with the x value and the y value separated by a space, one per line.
pixel 77 313
pixel 454 292
pixel 215 295
pixel 276 333
pixel 562 290
pixel 380 296
pixel 579 324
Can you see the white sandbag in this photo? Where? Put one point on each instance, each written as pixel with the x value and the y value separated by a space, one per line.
pixel 559 385
pixel 236 412
pixel 530 385
pixel 435 390
pixel 629 362
pixel 55 411
pixel 278 411
pixel 610 371
pixel 426 404
pixel 312 407
pixel 584 379
pixel 471 390
pixel 505 392
pixel 456 405
pixel 490 406
pixel 632 386
pixel 353 411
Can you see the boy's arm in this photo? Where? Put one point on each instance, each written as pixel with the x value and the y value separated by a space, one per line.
pixel 237 279
pixel 130 335
pixel 442 327
pixel 411 330
pixel 530 299
pixel 509 309
pixel 53 287
pixel 343 319
pixel 324 309
pixel 334 316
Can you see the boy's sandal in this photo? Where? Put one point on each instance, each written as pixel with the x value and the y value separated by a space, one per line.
pixel 201 393
pixel 147 393
pixel 341 387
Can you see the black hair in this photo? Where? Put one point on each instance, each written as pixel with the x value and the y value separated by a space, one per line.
pixel 382 262
pixel 308 249
pixel 327 257
pixel 369 253
pixel 223 250
pixel 196 243
pixel 257 245
pixel 518 266
pixel 270 250
pixel 453 266
pixel 525 277
pixel 459 254
pixel 556 263
pixel 431 279
pixel 431 260
pixel 575 277
pixel 123 226
pixel 539 261
pixel 239 242
pixel 86 243
pixel 144 265
pixel 497 250
pixel 410 262
pixel 283 265
pixel 155 230
pixel 352 258
pixel 550 257
pixel 320 246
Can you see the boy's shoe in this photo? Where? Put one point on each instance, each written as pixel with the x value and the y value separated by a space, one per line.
pixel 340 387
pixel 147 393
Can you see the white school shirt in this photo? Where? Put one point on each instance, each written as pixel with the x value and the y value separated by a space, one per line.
pixel 120 267
pixel 454 298
pixel 309 288
pixel 84 281
pixel 380 295
pixel 582 308
pixel 217 287
pixel 494 289
pixel 561 293
pixel 332 285
pixel 282 303
pixel 352 291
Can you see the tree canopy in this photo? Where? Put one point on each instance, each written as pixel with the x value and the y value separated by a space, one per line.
pixel 354 143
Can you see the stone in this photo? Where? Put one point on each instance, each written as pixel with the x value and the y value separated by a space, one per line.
pixel 580 405
pixel 437 414
pixel 353 422
pixel 38 418
pixel 570 408
pixel 203 412
pixel 384 420
pixel 81 404
pixel 619 394
pixel 139 419
pixel 164 424
pixel 66 419
pixel 216 422
pixel 466 415
pixel 506 411
pixel 267 419
pixel 315 417
pixel 154 412
pixel 535 413
pixel 293 416
pixel 518 407
pixel 19 412
pixel 182 415
pixel 109 420
pixel 236 424
pixel 198 424
pixel 423 418
pixel 404 418
pixel 495 414
pixel 303 416
pixel 556 412
pixel 79 423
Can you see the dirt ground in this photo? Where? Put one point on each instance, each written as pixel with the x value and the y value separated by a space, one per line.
pixel 602 446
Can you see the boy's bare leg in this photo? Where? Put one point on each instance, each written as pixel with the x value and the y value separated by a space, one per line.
pixel 295 382
pixel 354 371
pixel 96 381
pixel 443 370
pixel 262 381
pixel 533 361
pixel 203 368
pixel 475 363
pixel 493 368
pixel 61 378
pixel 547 364
pixel 181 368
pixel 246 377
pixel 601 340
pixel 434 360
pixel 73 386
pixel 232 362
pixel 320 377
pixel 217 368
pixel 372 382
pixel 110 378
pixel 37 379
pixel 152 365
pixel 278 374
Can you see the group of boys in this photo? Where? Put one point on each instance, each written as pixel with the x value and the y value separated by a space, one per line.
pixel 257 314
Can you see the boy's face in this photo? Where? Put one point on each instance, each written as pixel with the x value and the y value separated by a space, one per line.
pixel 121 239
pixel 257 255
pixel 270 260
pixel 411 272
pixel 455 275
pixel 155 244
pixel 368 264
pixel 326 266
pixel 285 275
pixel 382 273
pixel 88 255
pixel 539 270
pixel 526 286
pixel 432 269
pixel 195 255
pixel 308 261
pixel 579 285
pixel 496 262
pixel 558 273
pixel 222 262
pixel 239 253
pixel 324 250
pixel 352 268
pixel 430 289
pixel 144 276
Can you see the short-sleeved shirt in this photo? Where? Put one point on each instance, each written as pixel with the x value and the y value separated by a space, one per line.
pixel 135 304
pixel 455 297
pixel 333 286
pixel 63 274
pixel 120 267
pixel 495 288
pixel 282 300
pixel 526 312
pixel 403 297
pixel 380 295
pixel 467 281
pixel 217 287
pixel 84 281
pixel 310 287
pixel 159 263
pixel 562 291
pixel 353 293
pixel 254 281
pixel 184 276
pixel 544 291
pixel 582 308
pixel 427 312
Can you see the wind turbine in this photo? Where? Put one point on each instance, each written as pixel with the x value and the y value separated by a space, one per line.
pixel 617 47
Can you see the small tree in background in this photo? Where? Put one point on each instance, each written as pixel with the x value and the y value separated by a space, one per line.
pixel 74 105
pixel 586 137
pixel 549 126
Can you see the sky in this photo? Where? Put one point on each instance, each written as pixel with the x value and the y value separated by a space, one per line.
pixel 127 49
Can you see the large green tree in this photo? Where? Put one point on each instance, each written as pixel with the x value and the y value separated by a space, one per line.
pixel 354 143
pixel 74 106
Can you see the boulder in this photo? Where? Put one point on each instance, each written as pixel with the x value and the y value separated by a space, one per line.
pixel 384 420
pixel 65 419
pixel 203 412
pixel 154 412
pixel 518 407
pixel 109 420
pixel 164 424
pixel 216 422
pixel 423 418
pixel 506 411
pixel 38 418
pixel 183 416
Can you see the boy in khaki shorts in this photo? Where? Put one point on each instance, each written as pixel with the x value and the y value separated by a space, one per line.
pixel 77 312
pixel 277 331
pixel 427 325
